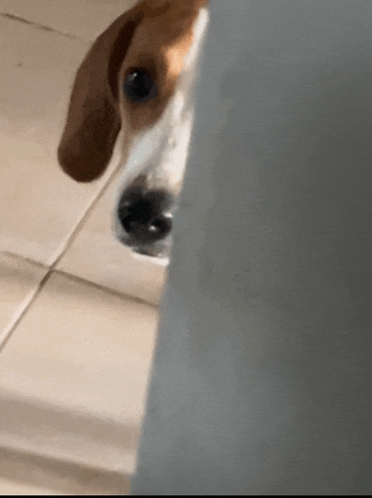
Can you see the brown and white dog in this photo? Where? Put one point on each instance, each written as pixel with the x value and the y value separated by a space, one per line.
pixel 135 86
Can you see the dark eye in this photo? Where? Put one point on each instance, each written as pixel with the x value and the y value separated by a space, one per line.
pixel 139 86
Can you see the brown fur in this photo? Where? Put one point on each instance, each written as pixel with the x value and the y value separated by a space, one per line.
pixel 156 35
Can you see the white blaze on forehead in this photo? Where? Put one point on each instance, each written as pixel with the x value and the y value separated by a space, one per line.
pixel 200 27
pixel 180 118
pixel 172 156
pixel 160 152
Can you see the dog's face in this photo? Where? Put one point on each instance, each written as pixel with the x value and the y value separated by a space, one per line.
pixel 136 83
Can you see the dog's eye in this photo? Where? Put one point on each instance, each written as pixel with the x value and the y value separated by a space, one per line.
pixel 139 87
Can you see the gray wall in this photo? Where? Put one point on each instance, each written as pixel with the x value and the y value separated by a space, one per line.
pixel 262 375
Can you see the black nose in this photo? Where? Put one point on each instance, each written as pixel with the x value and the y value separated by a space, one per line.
pixel 143 217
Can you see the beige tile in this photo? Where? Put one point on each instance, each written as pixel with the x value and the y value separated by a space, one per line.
pixel 18 281
pixel 78 363
pixel 84 19
pixel 97 256
pixel 8 487
pixel 39 205
pixel 26 473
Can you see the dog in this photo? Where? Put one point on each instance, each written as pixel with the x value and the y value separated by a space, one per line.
pixel 135 87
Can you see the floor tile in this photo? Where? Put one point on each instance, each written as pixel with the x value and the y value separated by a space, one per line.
pixel 78 363
pixel 18 281
pixel 8 487
pixel 83 19
pixel 23 473
pixel 39 204
pixel 96 255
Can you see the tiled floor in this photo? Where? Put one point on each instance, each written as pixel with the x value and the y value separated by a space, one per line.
pixel 9 487
pixel 75 346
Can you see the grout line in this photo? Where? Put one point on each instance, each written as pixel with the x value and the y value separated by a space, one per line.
pixel 36 25
pixel 25 258
pixel 84 216
pixel 20 313
pixel 113 292
pixel 83 280
pixel 33 296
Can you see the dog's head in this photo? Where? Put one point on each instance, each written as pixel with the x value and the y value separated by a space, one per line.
pixel 135 83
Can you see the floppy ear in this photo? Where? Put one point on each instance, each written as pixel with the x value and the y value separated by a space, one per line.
pixel 93 120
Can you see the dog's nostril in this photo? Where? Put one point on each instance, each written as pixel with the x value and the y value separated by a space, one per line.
pixel 143 220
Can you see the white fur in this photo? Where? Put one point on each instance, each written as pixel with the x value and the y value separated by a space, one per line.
pixel 161 152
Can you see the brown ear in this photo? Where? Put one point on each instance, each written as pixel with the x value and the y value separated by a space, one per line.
pixel 93 120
